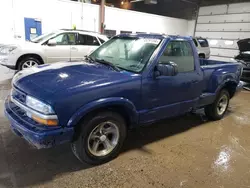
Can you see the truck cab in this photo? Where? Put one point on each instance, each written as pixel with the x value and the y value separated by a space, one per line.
pixel 129 81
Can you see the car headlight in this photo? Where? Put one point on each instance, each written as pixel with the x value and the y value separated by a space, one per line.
pixel 7 49
pixel 39 106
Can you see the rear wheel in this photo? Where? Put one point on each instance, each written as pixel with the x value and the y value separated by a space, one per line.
pixel 28 62
pixel 218 109
pixel 100 139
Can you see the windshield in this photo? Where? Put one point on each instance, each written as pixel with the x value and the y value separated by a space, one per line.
pixel 42 37
pixel 203 42
pixel 127 53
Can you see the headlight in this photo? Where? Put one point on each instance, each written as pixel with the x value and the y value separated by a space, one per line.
pixel 7 49
pixel 39 106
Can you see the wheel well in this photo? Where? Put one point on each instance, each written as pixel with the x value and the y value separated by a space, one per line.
pixel 201 54
pixel 120 109
pixel 38 57
pixel 231 88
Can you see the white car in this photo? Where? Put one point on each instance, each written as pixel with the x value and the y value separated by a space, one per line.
pixel 202 46
pixel 61 45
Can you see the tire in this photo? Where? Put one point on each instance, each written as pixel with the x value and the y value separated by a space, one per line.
pixel 213 111
pixel 26 60
pixel 201 56
pixel 84 145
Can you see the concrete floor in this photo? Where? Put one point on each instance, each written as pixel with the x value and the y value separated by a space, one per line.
pixel 186 151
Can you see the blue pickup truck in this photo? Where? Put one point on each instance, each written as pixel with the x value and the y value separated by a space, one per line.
pixel 131 80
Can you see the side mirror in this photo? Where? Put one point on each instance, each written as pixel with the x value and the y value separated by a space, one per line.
pixel 166 69
pixel 52 42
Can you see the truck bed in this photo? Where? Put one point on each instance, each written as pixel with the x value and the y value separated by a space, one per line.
pixel 216 71
pixel 208 62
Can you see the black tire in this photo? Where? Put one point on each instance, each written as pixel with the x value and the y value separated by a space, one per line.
pixel 80 145
pixel 211 110
pixel 20 64
pixel 201 56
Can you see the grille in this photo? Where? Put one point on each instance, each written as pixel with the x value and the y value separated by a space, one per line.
pixel 18 95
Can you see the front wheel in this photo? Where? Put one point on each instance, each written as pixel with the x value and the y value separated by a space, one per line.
pixel 217 110
pixel 100 139
pixel 28 62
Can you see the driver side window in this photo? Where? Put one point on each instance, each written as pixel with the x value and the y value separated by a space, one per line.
pixel 181 53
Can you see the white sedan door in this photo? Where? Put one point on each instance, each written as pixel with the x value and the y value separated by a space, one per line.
pixel 84 46
pixel 61 50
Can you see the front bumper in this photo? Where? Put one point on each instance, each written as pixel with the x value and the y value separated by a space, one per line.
pixel 36 134
pixel 8 61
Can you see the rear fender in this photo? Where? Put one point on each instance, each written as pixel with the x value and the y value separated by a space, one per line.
pixel 230 85
pixel 105 103
pixel 221 77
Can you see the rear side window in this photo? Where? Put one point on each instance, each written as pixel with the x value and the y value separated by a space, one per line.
pixel 203 42
pixel 87 40
pixel 181 53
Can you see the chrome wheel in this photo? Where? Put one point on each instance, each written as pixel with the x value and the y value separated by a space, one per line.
pixel 103 139
pixel 222 104
pixel 29 63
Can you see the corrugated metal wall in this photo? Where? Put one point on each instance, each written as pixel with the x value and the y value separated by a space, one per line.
pixel 223 26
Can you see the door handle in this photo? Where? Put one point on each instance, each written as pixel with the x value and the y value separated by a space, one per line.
pixel 74 48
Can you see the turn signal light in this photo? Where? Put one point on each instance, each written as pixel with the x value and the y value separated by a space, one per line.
pixel 49 122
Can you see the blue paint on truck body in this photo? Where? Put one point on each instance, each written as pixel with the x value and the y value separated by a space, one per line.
pixel 75 89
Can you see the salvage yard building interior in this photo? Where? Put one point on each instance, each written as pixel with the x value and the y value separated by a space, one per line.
pixel 125 93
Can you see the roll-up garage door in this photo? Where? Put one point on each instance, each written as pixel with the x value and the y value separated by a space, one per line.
pixel 223 26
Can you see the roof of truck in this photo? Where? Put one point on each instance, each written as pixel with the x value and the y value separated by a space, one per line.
pixel 157 36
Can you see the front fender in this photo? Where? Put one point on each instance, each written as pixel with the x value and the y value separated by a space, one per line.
pixel 102 103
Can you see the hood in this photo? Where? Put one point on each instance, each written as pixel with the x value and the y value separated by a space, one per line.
pixel 244 45
pixel 20 43
pixel 51 78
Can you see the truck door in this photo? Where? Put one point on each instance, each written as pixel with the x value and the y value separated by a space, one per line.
pixel 166 96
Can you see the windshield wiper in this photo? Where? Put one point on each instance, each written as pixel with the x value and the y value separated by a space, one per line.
pixel 104 62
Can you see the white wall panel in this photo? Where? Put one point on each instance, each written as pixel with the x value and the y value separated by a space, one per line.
pixel 6 20
pixel 209 10
pixel 239 8
pixel 224 35
pixel 224 27
pixel 56 14
pixel 141 22
pixel 229 18
pixel 191 26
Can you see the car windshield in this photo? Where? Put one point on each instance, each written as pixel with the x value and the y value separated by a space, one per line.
pixel 203 42
pixel 42 37
pixel 128 53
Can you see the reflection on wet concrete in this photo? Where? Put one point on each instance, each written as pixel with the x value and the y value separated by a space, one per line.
pixel 222 161
pixel 187 151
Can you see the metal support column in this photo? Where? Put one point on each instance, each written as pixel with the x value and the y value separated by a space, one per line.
pixel 102 16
